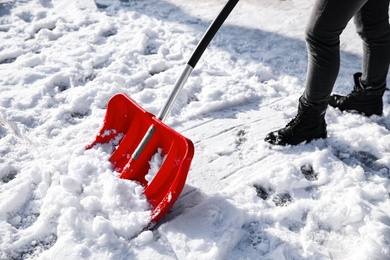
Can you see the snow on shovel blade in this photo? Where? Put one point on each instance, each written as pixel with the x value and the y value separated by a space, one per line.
pixel 125 118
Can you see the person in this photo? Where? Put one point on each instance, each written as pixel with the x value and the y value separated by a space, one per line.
pixel 327 21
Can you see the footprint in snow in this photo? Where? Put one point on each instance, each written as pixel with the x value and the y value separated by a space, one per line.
pixel 309 173
pixel 368 161
pixel 282 199
pixel 254 236
pixel 241 137
pixel 7 174
pixel 262 192
pixel 8 60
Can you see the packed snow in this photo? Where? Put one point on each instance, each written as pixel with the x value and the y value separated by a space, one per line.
pixel 60 63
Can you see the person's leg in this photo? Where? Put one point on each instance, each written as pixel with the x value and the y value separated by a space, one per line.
pixel 372 24
pixel 328 19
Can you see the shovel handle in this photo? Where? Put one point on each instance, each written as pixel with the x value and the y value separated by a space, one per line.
pixel 200 48
pixel 211 31
pixel 202 45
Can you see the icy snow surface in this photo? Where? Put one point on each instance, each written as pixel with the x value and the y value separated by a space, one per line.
pixel 61 61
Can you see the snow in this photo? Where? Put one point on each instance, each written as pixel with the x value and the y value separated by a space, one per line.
pixel 61 61
pixel 155 164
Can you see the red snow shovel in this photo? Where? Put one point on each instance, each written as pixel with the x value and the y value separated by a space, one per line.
pixel 143 134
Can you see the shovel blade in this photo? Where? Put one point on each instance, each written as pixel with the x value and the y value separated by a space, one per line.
pixel 127 122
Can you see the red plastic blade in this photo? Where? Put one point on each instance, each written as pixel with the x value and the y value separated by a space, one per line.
pixel 125 117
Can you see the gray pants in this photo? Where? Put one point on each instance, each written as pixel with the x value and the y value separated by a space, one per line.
pixel 328 19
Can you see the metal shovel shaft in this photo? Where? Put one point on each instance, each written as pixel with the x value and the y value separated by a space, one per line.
pixel 175 92
pixel 201 47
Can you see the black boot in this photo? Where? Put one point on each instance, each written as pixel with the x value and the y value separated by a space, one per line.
pixel 363 99
pixel 309 124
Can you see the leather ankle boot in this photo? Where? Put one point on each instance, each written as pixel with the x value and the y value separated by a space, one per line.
pixel 365 100
pixel 309 124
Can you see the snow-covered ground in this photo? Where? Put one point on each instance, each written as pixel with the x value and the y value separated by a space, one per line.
pixel 61 61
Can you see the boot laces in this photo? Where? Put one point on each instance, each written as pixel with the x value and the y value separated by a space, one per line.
pixel 297 119
pixel 355 92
